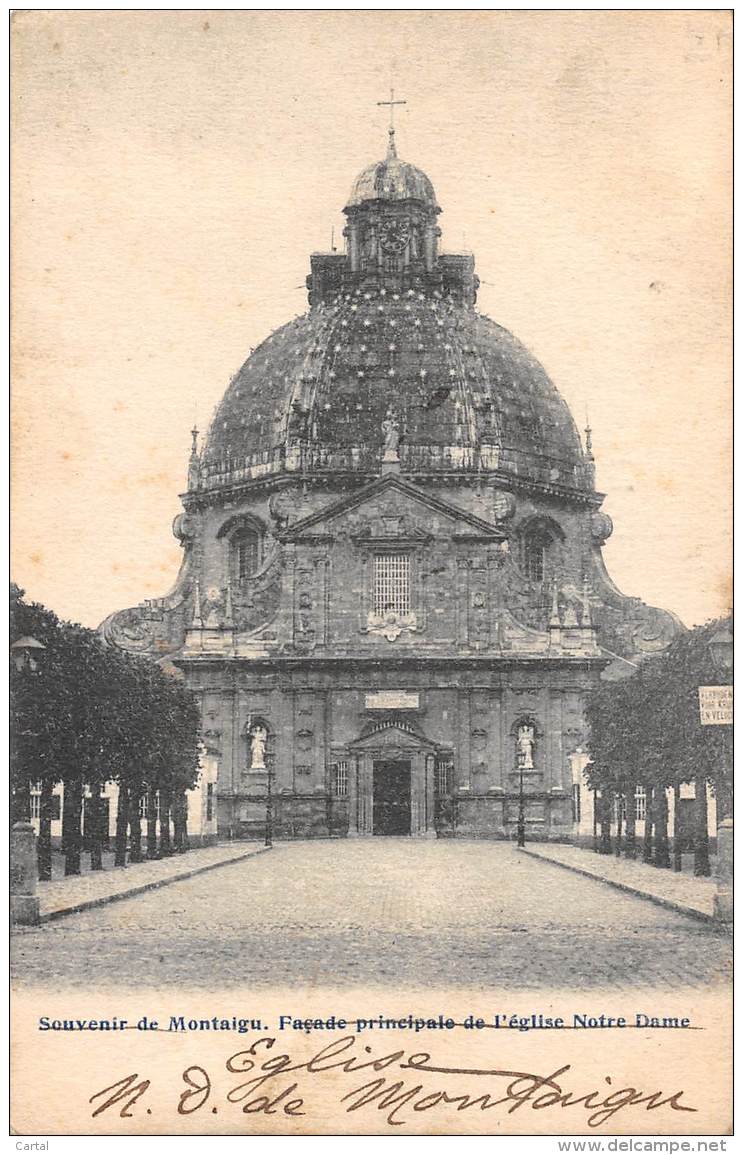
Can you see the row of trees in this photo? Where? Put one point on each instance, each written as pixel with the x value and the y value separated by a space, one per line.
pixel 84 715
pixel 646 731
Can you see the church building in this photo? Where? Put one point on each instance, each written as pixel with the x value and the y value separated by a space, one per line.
pixel 393 602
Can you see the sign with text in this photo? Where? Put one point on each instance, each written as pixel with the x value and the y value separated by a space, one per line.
pixel 716 705
pixel 392 700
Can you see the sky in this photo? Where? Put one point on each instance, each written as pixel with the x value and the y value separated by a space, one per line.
pixel 173 170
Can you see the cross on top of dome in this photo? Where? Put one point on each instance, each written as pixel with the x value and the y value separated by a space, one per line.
pixel 391 103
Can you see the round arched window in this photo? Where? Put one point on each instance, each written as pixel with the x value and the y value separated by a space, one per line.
pixel 538 544
pixel 247 553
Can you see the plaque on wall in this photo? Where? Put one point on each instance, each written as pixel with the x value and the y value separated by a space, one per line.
pixel 393 700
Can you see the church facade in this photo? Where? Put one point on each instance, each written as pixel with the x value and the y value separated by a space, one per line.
pixel 392 603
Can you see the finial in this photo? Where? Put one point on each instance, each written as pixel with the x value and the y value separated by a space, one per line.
pixel 194 439
pixel 391 104
pixel 555 614
pixel 588 432
pixel 196 621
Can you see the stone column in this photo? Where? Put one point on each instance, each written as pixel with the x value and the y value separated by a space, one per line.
pixel 723 899
pixel 353 797
pixel 24 901
pixel 497 743
pixel 365 798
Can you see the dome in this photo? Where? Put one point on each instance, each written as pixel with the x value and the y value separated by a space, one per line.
pixel 466 394
pixel 392 179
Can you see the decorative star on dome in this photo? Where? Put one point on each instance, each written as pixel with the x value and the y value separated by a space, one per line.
pixel 452 372
pixel 383 292
pixel 423 373
pixel 354 307
pixel 448 348
pixel 390 372
pixel 367 323
pixel 392 348
pixel 417 322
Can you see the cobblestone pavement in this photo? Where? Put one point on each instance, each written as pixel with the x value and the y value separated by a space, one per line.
pixel 378 911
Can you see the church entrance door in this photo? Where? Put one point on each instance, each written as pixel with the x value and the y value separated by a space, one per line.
pixel 391 797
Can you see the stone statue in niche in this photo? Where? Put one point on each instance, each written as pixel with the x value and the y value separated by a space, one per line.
pixel 258 740
pixel 391 430
pixel 525 747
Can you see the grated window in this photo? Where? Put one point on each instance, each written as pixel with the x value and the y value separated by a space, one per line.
pixel 340 779
pixel 392 583
pixel 641 804
pixel 443 780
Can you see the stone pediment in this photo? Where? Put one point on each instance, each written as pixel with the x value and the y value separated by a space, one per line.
pixel 391 510
pixel 391 737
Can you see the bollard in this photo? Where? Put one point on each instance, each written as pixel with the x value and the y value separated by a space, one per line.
pixel 724 872
pixel 24 901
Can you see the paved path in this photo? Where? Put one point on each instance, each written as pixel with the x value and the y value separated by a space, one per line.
pixel 387 911
pixel 63 895
pixel 669 888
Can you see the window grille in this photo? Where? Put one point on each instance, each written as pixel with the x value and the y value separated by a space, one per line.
pixel 641 804
pixel 576 802
pixel 209 801
pixel 35 804
pixel 247 547
pixel 535 556
pixel 443 777
pixel 340 778
pixel 392 583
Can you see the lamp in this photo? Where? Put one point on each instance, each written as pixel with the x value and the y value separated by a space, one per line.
pixel 26 653
pixel 720 646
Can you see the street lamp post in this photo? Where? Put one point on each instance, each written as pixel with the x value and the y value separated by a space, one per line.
pixel 521 824
pixel 269 800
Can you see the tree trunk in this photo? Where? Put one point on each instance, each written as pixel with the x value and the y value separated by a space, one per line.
pixel 96 822
pixel 122 822
pixel 596 804
pixel 647 842
pixel 605 823
pixel 152 824
pixel 72 810
pixel 701 835
pixel 180 822
pixel 662 856
pixel 630 838
pixel 618 803
pixel 165 846
pixel 21 803
pixel 676 827
pixel 135 827
pixel 44 846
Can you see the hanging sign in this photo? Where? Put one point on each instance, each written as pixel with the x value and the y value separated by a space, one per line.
pixel 716 705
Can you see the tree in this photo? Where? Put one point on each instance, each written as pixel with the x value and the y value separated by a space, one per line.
pixel 87 715
pixel 646 729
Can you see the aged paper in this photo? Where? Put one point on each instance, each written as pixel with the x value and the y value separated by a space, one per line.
pixel 393 597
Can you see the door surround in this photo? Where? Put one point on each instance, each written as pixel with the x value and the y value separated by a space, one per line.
pixel 391 743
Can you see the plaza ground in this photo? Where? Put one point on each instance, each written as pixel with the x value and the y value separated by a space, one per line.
pixel 382 911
